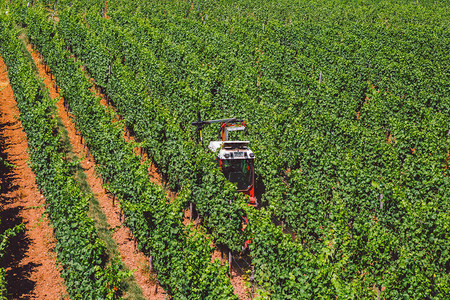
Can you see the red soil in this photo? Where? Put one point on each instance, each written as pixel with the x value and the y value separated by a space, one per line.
pixel 30 262
pixel 131 257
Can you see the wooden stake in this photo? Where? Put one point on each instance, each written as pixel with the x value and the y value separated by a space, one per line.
pixel 252 282
pixel 381 201
pixel 230 260
pixel 378 291
pixel 151 263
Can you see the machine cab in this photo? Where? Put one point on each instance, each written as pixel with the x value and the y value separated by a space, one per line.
pixel 235 158
pixel 237 164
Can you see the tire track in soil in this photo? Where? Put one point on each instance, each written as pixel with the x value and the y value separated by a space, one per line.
pixel 130 256
pixel 30 260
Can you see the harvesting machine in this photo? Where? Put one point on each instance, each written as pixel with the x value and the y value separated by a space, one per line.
pixel 235 158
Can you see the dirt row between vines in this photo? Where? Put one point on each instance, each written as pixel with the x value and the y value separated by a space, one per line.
pixel 130 256
pixel 30 260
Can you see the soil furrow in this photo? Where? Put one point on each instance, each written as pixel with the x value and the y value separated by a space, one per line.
pixel 130 256
pixel 30 261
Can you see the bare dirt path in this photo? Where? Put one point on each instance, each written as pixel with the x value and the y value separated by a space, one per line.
pixel 30 262
pixel 131 257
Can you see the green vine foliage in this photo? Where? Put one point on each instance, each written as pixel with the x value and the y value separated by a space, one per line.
pixel 348 113
pixel 181 256
pixel 4 241
pixel 80 252
pixel 171 147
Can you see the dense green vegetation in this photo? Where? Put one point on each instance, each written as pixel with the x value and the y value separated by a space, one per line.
pixel 169 146
pixel 178 252
pixel 81 253
pixel 4 241
pixel 348 107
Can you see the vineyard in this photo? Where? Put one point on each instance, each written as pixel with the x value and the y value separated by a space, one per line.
pixel 348 112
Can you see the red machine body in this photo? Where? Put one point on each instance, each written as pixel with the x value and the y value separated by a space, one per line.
pixel 235 158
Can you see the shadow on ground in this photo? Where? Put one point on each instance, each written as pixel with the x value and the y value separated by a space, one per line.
pixel 17 275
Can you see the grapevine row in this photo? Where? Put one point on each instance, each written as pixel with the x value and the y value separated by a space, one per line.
pixel 170 146
pixel 80 251
pixel 349 127
pixel 182 257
